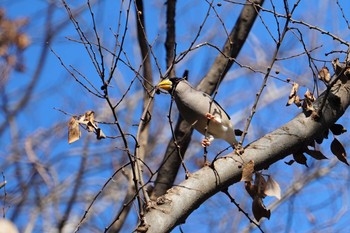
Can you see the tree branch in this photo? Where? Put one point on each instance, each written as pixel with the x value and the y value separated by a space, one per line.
pixel 179 202
pixel 143 129
pixel 170 35
pixel 232 47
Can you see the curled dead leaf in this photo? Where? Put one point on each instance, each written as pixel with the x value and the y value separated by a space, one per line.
pixel 297 101
pixel 337 129
pixel 73 130
pixel 308 102
pixel 260 184
pixel 247 171
pixel 293 94
pixel 339 151
pixel 99 134
pixel 324 74
pixel 300 158
pixel 91 126
pixel 90 119
pixel 272 188
pixel 316 154
pixel 89 116
pixel 310 96
pixel 290 100
pixel 87 119
pixel 337 66
pixel 250 188
pixel 259 209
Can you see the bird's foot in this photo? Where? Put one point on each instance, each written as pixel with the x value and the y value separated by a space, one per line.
pixel 211 117
pixel 206 142
pixel 239 150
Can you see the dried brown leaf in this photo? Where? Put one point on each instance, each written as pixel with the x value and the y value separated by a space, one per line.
pixel 90 116
pixel 260 183
pixel 272 188
pixel 324 74
pixel 294 90
pixel 81 120
pixel 247 171
pixel 293 94
pixel 300 158
pixel 307 106
pixel 259 209
pixel 339 151
pixel 73 130
pixel 316 154
pixel 308 95
pixel 99 134
pixel 250 188
pixel 307 103
pixel 337 129
pixel 290 100
pixel 337 66
pixel 297 101
pixel 90 119
pixel 91 126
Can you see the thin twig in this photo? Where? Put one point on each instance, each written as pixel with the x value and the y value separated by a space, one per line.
pixel 263 85
pixel 241 210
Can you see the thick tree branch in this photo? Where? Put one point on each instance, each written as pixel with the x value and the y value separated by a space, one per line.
pixel 143 131
pixel 172 160
pixel 232 47
pixel 179 202
pixel 170 35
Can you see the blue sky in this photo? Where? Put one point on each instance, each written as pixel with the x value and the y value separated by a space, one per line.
pixel 57 89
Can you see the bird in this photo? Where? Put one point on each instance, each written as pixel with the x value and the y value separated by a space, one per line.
pixel 201 111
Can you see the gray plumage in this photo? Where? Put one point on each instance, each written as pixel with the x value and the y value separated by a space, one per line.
pixel 194 107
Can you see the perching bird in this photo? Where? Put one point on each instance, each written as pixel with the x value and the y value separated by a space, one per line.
pixel 201 111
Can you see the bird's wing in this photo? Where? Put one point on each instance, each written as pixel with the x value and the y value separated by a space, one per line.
pixel 215 102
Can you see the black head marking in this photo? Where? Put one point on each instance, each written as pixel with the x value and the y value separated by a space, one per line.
pixel 174 81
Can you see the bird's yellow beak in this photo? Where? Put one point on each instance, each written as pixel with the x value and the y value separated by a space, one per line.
pixel 166 84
